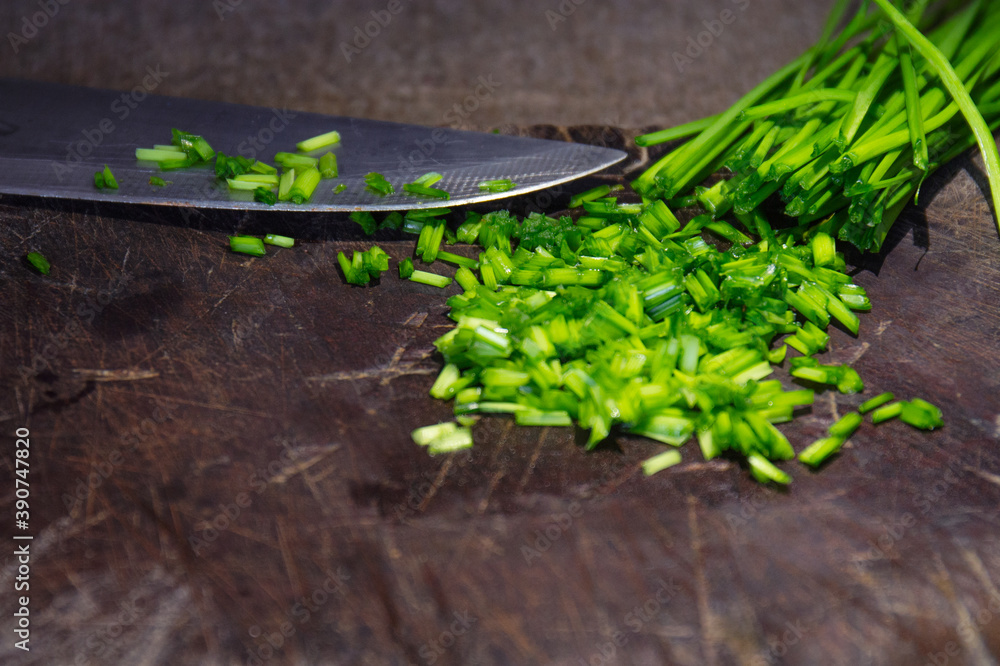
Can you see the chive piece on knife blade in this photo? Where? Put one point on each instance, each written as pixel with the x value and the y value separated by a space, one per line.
pixel 295 161
pixel 109 179
pixel 265 196
pixel 421 190
pixel 304 185
pixel 366 220
pixel 247 245
pixel 377 184
pixel 497 185
pixel 328 166
pixel 157 181
pixel 320 141
pixel 340 188
pixel 40 263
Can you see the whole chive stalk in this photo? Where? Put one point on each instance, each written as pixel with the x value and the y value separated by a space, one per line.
pixel 956 88
pixel 247 245
pixel 40 263
pixel 320 141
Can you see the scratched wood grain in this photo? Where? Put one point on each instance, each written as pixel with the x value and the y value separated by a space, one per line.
pixel 221 452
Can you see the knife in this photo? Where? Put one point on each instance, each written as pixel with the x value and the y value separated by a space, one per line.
pixel 53 138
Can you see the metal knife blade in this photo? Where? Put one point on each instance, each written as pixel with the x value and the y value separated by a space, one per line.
pixel 54 137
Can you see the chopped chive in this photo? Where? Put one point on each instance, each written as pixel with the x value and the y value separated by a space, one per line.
pixel 432 279
pixel 157 181
pixel 109 179
pixel 366 220
pixel 247 245
pixel 890 411
pixel 280 241
pixel 405 268
pixel 320 141
pixel 817 452
pixel 295 161
pixel 428 179
pixel 328 166
pixel 265 196
pixel 590 195
pixel 285 185
pixel 40 263
pixel 876 402
pixel 497 186
pixel 159 155
pixel 846 425
pixel 304 185
pixel 921 414
pixel 377 184
pixel 661 461
pixel 99 180
pixel 420 190
pixel 340 188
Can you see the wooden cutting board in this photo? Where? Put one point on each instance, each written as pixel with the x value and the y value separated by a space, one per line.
pixel 222 472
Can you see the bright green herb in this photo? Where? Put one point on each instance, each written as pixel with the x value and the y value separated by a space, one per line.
pixel 423 191
pixel 265 196
pixel 377 184
pixel 660 462
pixel 107 179
pixel 890 411
pixel 157 181
pixel 247 245
pixel 876 402
pixel 159 154
pixel 295 161
pixel 405 269
pixel 497 186
pixel 845 135
pixel 364 266
pixel 432 279
pixel 443 438
pixel 39 262
pixel 340 188
pixel 817 452
pixel 317 142
pixel 921 414
pixel 366 220
pixel 304 185
pixel 328 166
pixel 280 241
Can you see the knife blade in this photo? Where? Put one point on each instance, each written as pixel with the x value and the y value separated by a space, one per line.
pixel 54 137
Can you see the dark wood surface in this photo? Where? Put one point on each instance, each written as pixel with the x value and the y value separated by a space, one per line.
pixel 220 452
